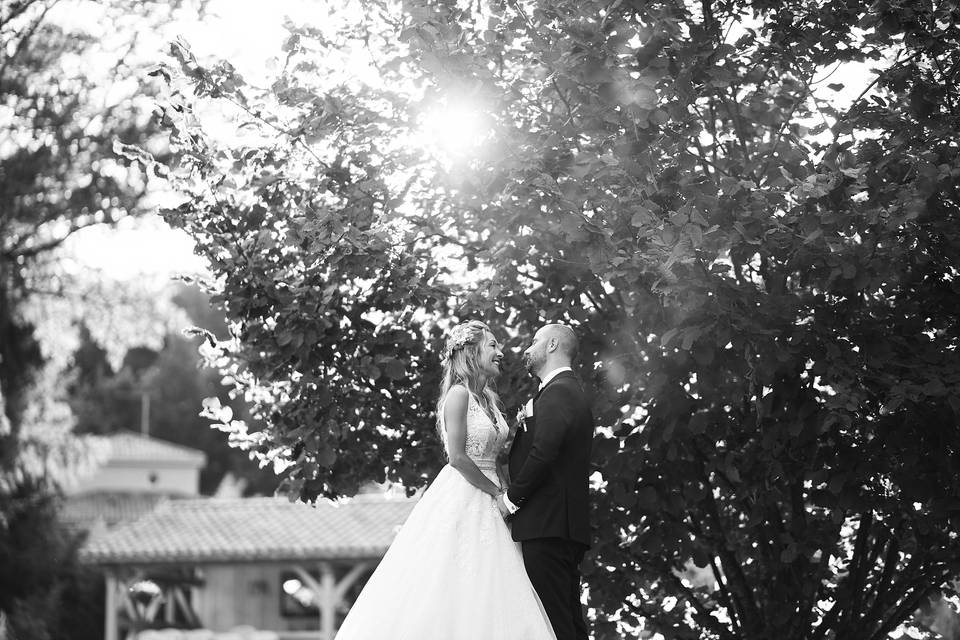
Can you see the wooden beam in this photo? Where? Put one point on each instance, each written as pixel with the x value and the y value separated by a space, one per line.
pixel 153 607
pixel 317 588
pixel 308 579
pixel 186 608
pixel 128 605
pixel 328 601
pixel 330 593
pixel 110 613
pixel 195 597
pixel 347 581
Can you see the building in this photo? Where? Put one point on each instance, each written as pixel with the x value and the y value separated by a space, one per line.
pixel 138 462
pixel 174 559
pixel 260 563
pixel 137 472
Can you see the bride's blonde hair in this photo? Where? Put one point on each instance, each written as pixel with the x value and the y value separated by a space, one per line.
pixel 461 366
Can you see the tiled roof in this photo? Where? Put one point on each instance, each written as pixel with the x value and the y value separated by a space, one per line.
pixel 85 510
pixel 251 529
pixel 127 446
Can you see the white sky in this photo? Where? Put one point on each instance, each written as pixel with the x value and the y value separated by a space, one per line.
pixel 245 32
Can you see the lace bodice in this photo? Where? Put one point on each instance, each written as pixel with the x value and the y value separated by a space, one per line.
pixel 484 439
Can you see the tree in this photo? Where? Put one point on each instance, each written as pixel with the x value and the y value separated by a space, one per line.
pixel 171 377
pixel 766 284
pixel 63 111
pixel 60 174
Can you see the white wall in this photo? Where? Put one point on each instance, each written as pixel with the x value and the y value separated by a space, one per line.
pixel 142 478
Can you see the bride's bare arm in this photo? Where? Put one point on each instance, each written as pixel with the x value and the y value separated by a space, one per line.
pixel 503 472
pixel 503 458
pixel 455 420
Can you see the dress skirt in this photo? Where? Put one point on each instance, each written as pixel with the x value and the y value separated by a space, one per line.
pixel 452 573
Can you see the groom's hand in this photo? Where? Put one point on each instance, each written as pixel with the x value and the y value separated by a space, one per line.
pixel 502 507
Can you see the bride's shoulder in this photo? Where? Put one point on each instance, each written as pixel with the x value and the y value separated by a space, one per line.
pixel 456 395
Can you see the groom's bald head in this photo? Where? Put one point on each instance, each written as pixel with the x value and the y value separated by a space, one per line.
pixel 553 345
pixel 567 343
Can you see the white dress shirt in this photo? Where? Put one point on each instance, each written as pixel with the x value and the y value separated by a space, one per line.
pixel 553 374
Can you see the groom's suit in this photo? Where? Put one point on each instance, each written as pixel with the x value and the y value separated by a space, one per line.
pixel 549 470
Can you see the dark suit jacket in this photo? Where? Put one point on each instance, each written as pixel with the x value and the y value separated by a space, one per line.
pixel 550 465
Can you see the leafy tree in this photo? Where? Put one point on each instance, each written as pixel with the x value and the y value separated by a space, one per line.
pixel 766 284
pixel 59 172
pixel 66 96
pixel 37 555
pixel 56 174
pixel 105 401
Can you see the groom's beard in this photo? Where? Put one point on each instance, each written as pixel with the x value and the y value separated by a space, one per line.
pixel 531 365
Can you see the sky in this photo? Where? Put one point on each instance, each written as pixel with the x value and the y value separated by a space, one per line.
pixel 248 33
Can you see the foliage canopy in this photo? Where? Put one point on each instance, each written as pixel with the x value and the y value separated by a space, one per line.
pixel 766 285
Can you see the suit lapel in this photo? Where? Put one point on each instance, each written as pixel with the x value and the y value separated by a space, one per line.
pixel 522 434
pixel 554 379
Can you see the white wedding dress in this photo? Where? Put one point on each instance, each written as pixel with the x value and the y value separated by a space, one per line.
pixel 453 572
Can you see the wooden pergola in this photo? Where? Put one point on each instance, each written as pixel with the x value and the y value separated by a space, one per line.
pixel 181 564
pixel 173 603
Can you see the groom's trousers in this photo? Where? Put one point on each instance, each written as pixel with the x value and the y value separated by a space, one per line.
pixel 553 565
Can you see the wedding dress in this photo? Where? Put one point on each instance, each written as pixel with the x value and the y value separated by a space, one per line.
pixel 453 572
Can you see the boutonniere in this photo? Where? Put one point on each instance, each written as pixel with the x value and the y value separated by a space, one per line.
pixel 524 413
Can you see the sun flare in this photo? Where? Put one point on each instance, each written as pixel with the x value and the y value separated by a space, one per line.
pixel 453 129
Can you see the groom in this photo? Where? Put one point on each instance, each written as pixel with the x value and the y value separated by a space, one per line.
pixel 549 468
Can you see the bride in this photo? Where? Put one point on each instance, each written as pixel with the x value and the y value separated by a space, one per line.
pixel 453 572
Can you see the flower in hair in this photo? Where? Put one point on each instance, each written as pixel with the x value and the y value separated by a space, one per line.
pixel 461 336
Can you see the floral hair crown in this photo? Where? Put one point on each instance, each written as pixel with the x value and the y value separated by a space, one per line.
pixel 461 336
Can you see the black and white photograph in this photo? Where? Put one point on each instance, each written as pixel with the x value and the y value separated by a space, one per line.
pixel 479 320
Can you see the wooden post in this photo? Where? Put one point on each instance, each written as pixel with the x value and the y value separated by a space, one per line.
pixel 110 613
pixel 347 581
pixel 169 604
pixel 328 601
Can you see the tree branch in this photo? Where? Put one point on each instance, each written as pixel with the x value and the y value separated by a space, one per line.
pixel 17 11
pixel 779 137
pixel 725 595
pixel 883 584
pixel 911 600
pixel 748 611
pixel 808 603
pixel 35 249
pixel 858 570
pixel 703 613
pixel 896 63
pixel 23 41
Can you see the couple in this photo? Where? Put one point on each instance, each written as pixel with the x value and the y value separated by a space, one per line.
pixel 456 569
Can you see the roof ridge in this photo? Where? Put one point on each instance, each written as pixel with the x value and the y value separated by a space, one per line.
pixel 130 445
pixel 251 502
pixel 222 529
pixel 147 436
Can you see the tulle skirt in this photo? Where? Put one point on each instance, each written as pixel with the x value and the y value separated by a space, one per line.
pixel 452 573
